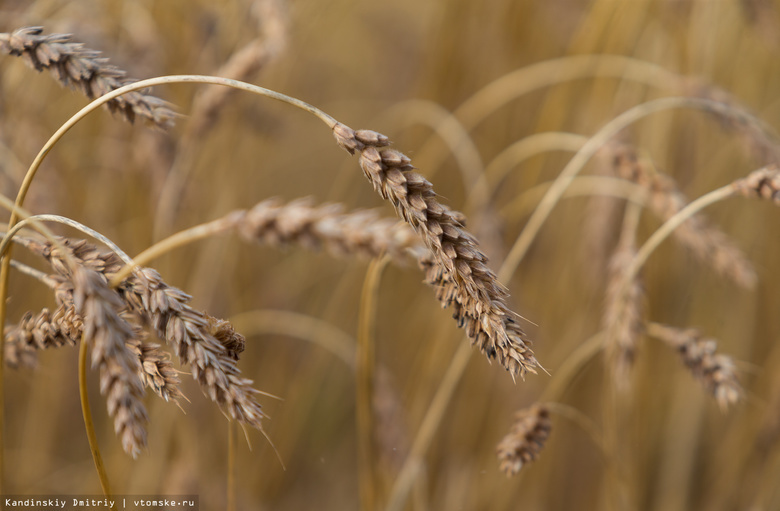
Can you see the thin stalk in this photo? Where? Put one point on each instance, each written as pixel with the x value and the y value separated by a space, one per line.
pixel 673 223
pixel 89 426
pixel 575 165
pixel 430 424
pixel 174 241
pixel 231 467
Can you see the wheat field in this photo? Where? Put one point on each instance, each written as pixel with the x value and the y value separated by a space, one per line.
pixel 444 255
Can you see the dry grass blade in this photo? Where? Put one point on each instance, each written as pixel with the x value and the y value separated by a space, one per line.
pixel 525 441
pixel 705 241
pixel 479 298
pixel 75 66
pixel 715 371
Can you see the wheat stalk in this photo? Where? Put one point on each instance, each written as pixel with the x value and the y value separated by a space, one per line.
pixel 478 298
pixel 75 66
pixel 65 327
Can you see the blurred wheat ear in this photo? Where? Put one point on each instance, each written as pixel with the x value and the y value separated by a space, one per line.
pixel 81 68
pixel 526 439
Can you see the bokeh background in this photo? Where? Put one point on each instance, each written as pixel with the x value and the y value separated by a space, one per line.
pixel 398 67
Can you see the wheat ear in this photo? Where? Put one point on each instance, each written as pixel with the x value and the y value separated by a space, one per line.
pixel 75 66
pixel 208 345
pixel 525 440
pixel 108 334
pixel 715 371
pixel 328 226
pixel 623 312
pixel 479 299
pixel 762 184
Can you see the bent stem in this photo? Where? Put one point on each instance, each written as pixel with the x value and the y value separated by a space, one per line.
pixel 89 426
pixel 5 264
pixel 673 223
pixel 174 241
pixel 575 165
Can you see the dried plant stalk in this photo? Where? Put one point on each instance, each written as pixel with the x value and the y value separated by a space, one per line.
pixel 525 440
pixel 705 241
pixel 715 371
pixel 75 66
pixel 763 184
pixel 478 297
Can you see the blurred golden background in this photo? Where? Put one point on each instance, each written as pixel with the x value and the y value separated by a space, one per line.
pixel 401 68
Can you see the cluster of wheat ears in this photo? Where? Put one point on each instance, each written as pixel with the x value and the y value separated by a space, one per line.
pixel 113 306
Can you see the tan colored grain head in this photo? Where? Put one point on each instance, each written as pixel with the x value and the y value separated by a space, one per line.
pixel 479 299
pixel 328 226
pixel 191 333
pixel 715 371
pixel 108 336
pixel 526 439
pixel 80 68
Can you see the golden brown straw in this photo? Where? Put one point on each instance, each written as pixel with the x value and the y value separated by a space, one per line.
pixel 478 298
pixel 75 66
